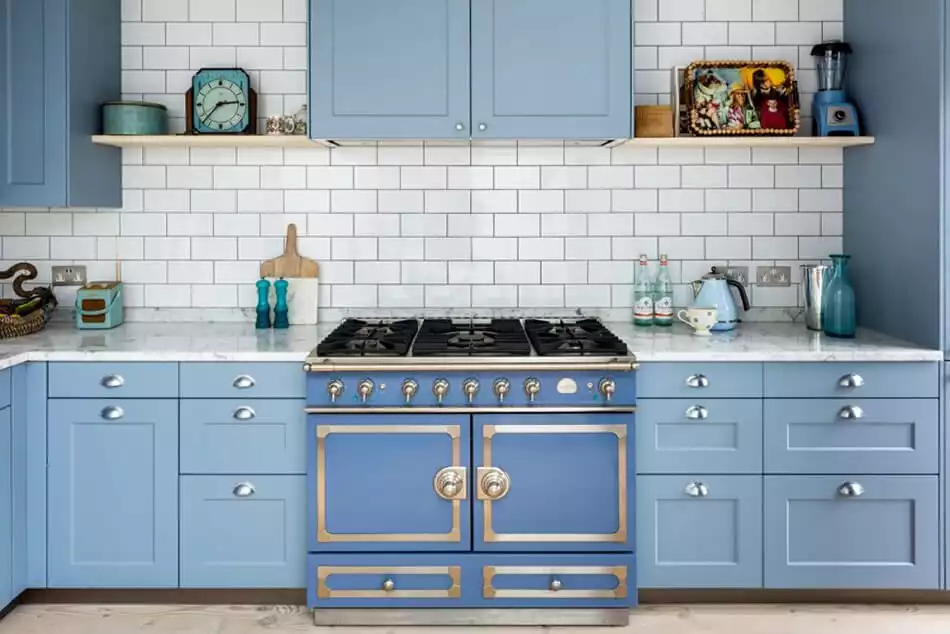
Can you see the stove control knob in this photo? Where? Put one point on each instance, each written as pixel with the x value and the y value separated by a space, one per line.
pixel 335 389
pixel 470 387
pixel 608 387
pixel 365 389
pixel 440 388
pixel 409 389
pixel 501 388
pixel 531 388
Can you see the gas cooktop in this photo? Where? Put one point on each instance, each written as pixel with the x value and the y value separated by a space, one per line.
pixel 472 338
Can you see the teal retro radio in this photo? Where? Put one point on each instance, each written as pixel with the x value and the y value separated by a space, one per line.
pixel 99 306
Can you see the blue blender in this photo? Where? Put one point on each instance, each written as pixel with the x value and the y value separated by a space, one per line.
pixel 834 114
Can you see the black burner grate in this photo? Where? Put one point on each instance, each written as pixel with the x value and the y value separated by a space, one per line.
pixel 471 338
pixel 361 338
pixel 584 337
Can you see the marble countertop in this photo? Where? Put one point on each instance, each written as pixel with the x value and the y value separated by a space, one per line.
pixel 754 342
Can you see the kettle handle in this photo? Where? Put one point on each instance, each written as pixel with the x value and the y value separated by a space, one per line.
pixel 746 305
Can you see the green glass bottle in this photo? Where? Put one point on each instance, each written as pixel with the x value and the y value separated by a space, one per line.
pixel 643 295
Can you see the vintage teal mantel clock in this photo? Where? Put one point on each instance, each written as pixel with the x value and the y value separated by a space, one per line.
pixel 221 101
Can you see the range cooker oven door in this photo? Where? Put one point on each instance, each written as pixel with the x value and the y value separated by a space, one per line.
pixel 388 482
pixel 553 482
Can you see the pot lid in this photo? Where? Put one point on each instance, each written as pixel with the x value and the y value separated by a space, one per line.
pixel 835 47
pixel 714 274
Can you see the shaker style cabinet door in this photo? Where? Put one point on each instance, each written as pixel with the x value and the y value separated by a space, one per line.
pixel 551 69
pixel 554 482
pixel 389 70
pixel 113 493
pixel 388 482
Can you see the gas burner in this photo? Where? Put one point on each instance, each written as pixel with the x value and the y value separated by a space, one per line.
pixel 361 338
pixel 496 337
pixel 584 337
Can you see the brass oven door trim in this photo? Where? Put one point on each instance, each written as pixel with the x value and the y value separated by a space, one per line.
pixel 325 536
pixel 490 592
pixel 620 431
pixel 454 573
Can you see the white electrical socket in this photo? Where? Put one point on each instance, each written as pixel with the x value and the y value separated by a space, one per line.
pixel 70 275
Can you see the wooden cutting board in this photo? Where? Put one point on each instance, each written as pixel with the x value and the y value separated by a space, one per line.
pixel 291 263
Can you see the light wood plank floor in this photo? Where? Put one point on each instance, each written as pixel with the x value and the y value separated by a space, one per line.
pixel 734 619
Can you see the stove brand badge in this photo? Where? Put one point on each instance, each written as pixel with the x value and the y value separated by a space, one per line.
pixel 567 386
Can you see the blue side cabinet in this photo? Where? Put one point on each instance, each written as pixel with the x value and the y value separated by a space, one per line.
pixel 113 493
pixel 551 69
pixel 6 506
pixel 59 61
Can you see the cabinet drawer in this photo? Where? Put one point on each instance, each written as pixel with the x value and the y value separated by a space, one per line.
pixel 699 531
pixel 700 380
pixel 391 581
pixel 851 436
pixel 242 380
pixel 699 436
pixel 851 532
pixel 858 380
pixel 243 532
pixel 113 380
pixel 263 436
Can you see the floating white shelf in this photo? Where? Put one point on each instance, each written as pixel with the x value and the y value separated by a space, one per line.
pixel 261 141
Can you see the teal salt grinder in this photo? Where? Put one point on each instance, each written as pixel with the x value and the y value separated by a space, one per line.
pixel 263 304
pixel 281 320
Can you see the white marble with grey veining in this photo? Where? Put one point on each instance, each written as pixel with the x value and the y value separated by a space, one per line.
pixel 241 342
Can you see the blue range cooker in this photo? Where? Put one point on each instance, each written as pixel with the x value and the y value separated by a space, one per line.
pixel 471 472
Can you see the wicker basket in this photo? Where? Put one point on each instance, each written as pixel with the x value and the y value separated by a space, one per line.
pixel 40 299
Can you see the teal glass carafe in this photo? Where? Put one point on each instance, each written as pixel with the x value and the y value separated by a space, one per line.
pixel 838 312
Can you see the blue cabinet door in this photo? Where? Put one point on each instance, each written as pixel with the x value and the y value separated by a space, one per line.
pixel 554 482
pixel 388 482
pixel 243 532
pixel 551 69
pixel 59 61
pixel 699 531
pixel 113 493
pixel 382 70
pixel 6 508
pixel 857 532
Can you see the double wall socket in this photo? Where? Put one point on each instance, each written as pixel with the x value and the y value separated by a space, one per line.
pixel 738 273
pixel 72 275
pixel 780 276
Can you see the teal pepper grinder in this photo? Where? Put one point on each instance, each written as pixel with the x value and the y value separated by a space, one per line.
pixel 281 319
pixel 263 305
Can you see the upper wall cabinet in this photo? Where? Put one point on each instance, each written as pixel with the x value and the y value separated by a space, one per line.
pixel 59 61
pixel 470 69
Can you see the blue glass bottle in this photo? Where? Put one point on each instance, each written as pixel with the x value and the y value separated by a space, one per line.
pixel 838 312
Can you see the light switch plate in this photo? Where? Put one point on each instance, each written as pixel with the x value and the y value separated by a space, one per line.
pixel 777 276
pixel 71 275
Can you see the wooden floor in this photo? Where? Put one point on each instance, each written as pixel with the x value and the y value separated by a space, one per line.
pixel 736 619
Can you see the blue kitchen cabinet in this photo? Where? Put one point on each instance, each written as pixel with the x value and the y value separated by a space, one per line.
pixel 551 69
pixel 243 532
pixel 389 70
pixel 554 482
pixel 699 531
pixel 59 61
pixel 394 482
pixel 7 592
pixel 113 493
pixel 851 532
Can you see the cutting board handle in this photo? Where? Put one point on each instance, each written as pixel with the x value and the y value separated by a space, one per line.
pixel 290 245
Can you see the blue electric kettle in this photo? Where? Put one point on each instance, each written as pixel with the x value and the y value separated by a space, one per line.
pixel 713 291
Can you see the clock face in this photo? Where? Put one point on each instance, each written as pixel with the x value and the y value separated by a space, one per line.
pixel 221 101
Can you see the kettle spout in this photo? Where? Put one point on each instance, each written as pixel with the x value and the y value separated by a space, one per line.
pixel 696 286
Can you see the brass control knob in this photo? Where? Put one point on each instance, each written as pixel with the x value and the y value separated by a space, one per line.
pixel 335 389
pixel 440 388
pixel 409 389
pixel 531 388
pixel 608 387
pixel 501 388
pixel 365 389
pixel 470 388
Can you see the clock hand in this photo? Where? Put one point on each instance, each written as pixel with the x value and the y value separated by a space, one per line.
pixel 216 106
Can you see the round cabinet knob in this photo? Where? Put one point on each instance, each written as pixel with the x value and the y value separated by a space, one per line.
pixel 459 126
pixel 365 389
pixel 409 389
pixel 501 388
pixel 389 585
pixel 851 490
pixel 531 388
pixel 450 483
pixel 335 389
pixel 440 388
pixel 470 388
pixel 482 127
pixel 495 484
pixel 243 490
pixel 556 585
pixel 696 490
pixel 608 387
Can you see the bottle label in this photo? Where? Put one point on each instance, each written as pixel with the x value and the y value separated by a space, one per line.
pixel 643 310
pixel 664 310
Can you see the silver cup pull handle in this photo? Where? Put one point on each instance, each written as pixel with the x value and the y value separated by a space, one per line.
pixel 697 381
pixel 244 413
pixel 697 412
pixel 851 412
pixel 244 382
pixel 112 381
pixel 851 381
pixel 851 490
pixel 244 490
pixel 696 490
pixel 112 413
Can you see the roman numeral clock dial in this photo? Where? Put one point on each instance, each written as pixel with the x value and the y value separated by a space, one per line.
pixel 222 102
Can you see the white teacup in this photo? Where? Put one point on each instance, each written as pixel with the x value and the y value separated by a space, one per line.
pixel 701 320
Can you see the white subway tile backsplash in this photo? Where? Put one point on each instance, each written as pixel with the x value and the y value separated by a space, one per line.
pixel 494 202
pixel 448 248
pixel 523 177
pixel 448 202
pixel 494 248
